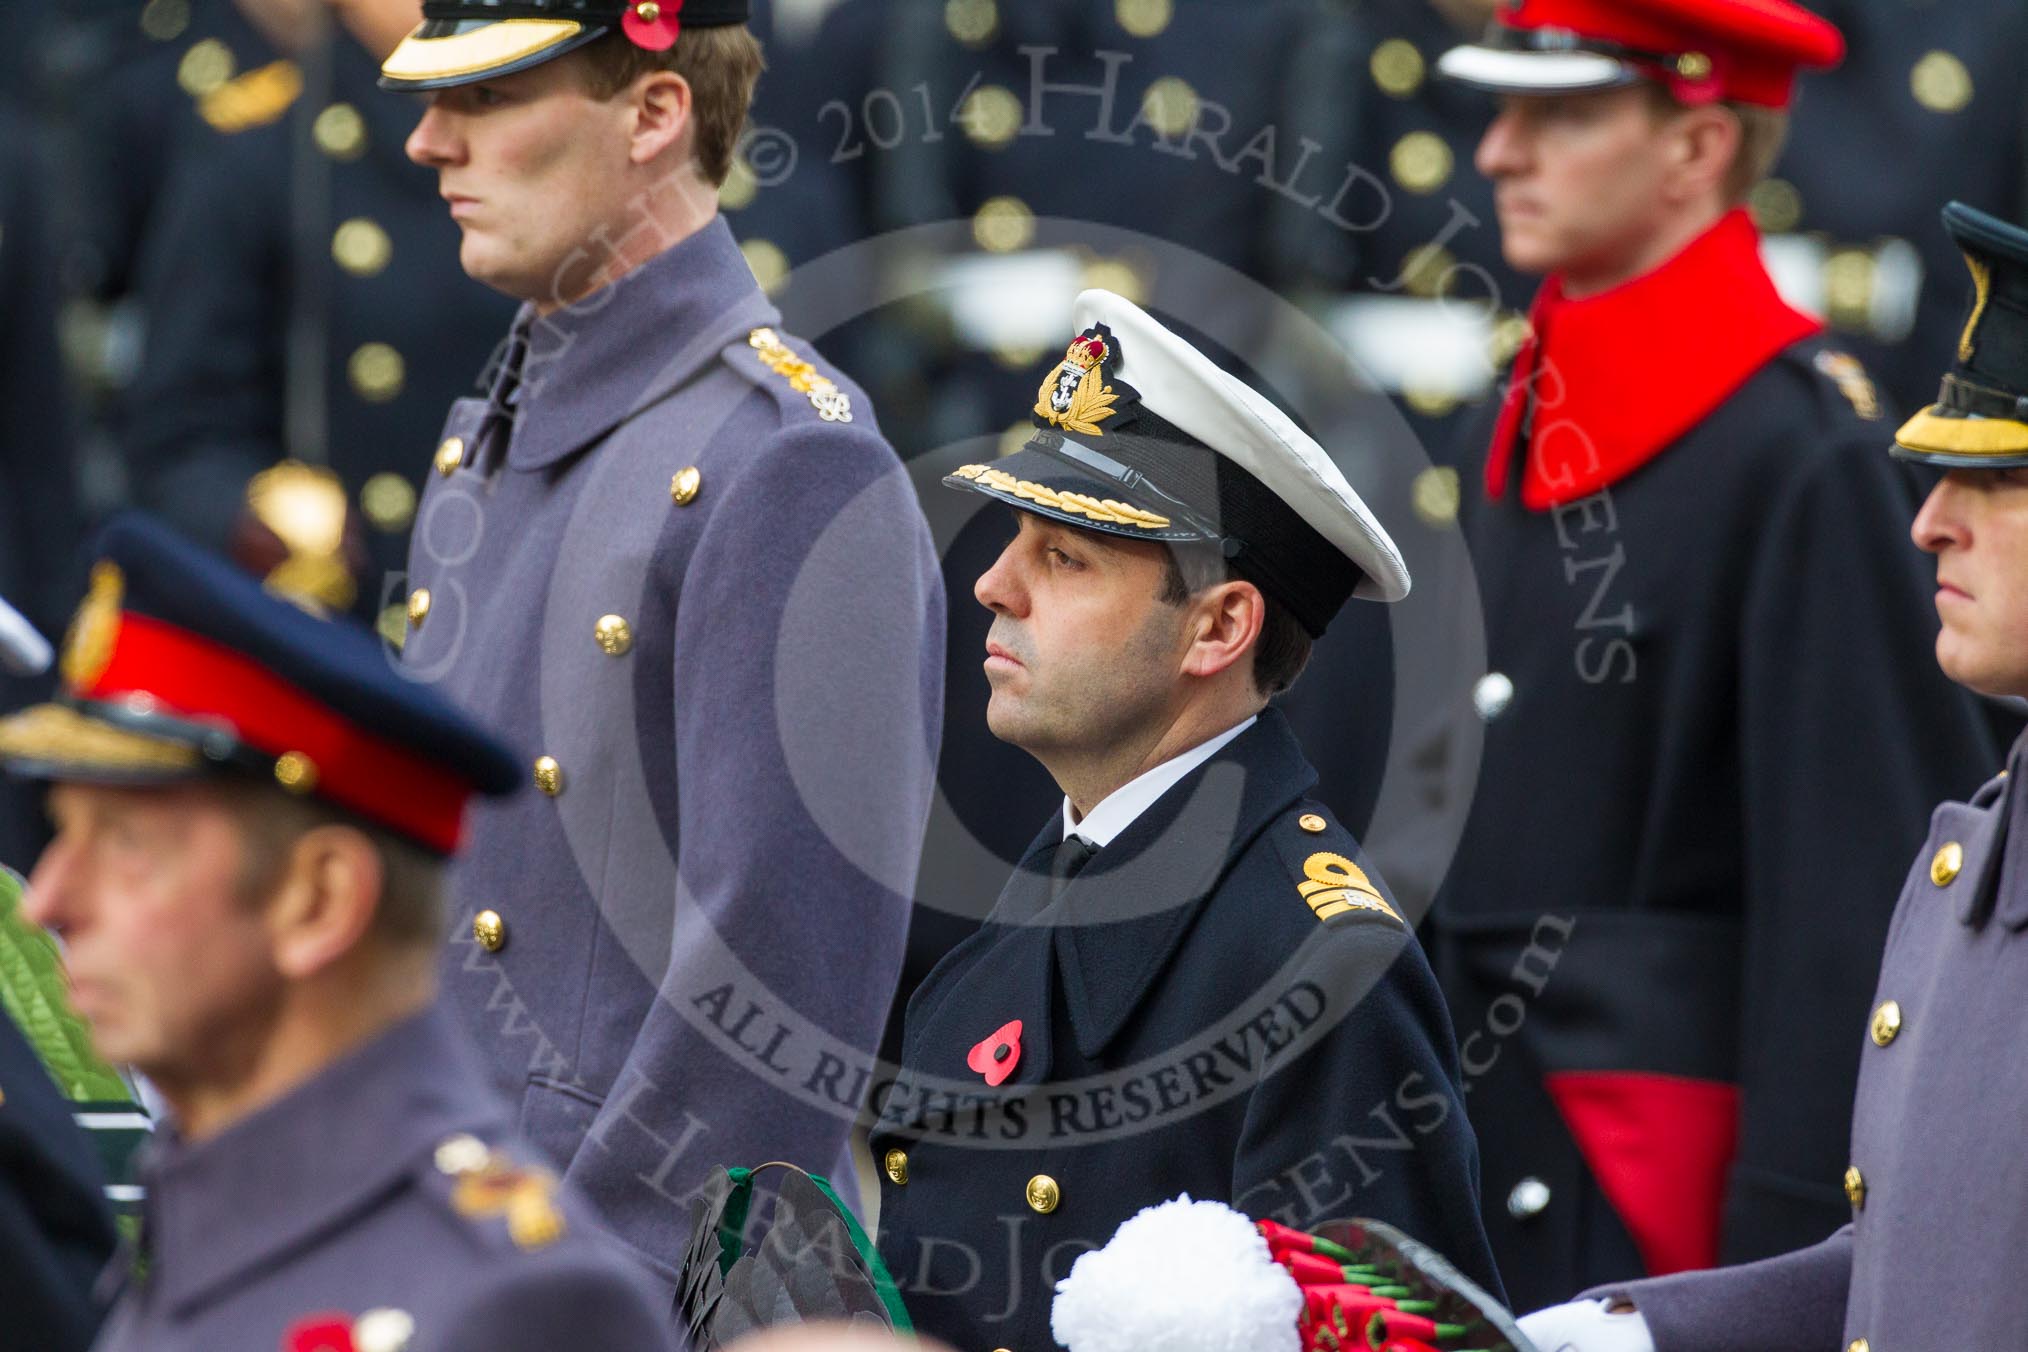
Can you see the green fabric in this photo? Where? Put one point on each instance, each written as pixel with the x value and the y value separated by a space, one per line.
pixel 732 1229
pixel 883 1281
pixel 32 991
pixel 32 994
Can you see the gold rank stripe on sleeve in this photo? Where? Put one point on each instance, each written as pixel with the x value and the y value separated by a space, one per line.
pixel 1334 885
pixel 1106 510
pixel 832 404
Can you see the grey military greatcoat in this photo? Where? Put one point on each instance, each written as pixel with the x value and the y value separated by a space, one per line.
pixel 385 1201
pixel 672 556
pixel 1939 1198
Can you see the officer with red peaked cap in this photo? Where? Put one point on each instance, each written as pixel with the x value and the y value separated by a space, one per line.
pixel 1712 728
pixel 1936 1197
pixel 252 808
pixel 1192 983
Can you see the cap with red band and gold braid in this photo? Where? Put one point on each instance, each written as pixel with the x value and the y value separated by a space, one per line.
pixel 179 666
pixel 1702 51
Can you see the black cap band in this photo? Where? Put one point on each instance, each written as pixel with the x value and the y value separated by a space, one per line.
pixel 1162 467
pixel 600 13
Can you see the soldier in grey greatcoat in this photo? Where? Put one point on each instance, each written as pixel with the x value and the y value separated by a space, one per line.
pixel 1939 1209
pixel 251 812
pixel 671 552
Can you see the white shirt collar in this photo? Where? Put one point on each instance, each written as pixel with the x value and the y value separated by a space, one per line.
pixel 1118 809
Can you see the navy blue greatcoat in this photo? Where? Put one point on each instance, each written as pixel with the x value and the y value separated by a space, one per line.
pixel 1188 1024
pixel 707 606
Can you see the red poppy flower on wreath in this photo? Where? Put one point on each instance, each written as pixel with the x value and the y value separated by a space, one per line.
pixel 652 24
pixel 320 1333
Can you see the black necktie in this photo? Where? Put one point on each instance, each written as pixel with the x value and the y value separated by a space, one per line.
pixel 503 394
pixel 1067 860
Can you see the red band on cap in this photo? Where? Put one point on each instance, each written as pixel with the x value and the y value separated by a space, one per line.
pixel 193 677
pixel 1749 50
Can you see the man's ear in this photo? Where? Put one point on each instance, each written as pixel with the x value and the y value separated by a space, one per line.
pixel 1709 140
pixel 664 110
pixel 326 900
pixel 1225 624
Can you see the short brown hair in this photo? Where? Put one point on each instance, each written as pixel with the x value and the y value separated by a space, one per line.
pixel 1762 133
pixel 411 890
pixel 1283 648
pixel 721 64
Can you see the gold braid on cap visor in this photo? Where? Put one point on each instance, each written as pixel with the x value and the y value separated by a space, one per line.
pixel 1107 510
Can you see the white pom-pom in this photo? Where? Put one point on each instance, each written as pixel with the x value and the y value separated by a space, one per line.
pixel 1183 1276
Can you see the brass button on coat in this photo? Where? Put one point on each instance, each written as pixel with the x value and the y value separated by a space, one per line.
pixel 1858 1345
pixel 1949 861
pixel 683 488
pixel 361 247
pixel 1043 1194
pixel 1491 694
pixel 1421 162
pixel 376 371
pixel 548 775
pixel 296 772
pixel 340 132
pixel 1528 1199
pixel 450 455
pixel 1886 1022
pixel 615 636
pixel 389 502
pixel 895 1162
pixel 418 606
pixel 1311 822
pixel 490 930
pixel 1855 1187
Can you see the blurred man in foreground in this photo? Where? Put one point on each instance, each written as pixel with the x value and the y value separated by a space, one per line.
pixel 251 811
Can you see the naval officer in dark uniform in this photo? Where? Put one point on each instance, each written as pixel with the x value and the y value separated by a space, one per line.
pixel 1937 1197
pixel 1191 984
pixel 251 809
pixel 1711 724
pixel 672 550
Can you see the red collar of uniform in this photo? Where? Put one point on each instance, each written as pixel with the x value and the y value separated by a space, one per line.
pixel 1619 376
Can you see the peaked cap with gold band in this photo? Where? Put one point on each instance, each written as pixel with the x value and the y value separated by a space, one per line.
pixel 1700 50
pixel 1140 435
pixel 1980 417
pixel 465 41
pixel 179 666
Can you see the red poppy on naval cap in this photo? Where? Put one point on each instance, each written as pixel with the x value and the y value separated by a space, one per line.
pixel 653 25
